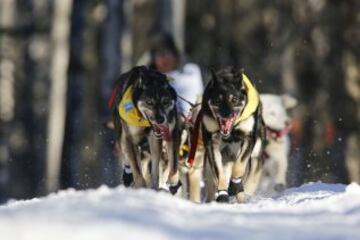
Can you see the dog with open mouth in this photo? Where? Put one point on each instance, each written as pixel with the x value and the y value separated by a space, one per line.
pixel 145 114
pixel 233 133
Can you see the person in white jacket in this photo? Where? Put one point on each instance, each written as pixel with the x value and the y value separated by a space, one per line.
pixel 186 77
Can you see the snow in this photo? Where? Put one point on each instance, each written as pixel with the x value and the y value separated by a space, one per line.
pixel 312 211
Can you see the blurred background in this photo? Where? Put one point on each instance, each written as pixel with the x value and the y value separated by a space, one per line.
pixel 59 59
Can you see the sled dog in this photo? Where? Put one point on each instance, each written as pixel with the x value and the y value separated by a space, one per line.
pixel 277 147
pixel 145 114
pixel 233 133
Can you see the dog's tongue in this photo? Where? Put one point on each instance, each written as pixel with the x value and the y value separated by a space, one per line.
pixel 162 130
pixel 226 124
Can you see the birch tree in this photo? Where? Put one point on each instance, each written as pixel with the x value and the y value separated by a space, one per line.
pixel 57 106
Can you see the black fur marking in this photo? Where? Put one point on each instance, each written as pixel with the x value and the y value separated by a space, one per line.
pixel 235 188
pixel 236 136
pixel 224 198
pixel 127 178
pixel 174 189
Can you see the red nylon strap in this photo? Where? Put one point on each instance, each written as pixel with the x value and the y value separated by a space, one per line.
pixel 112 97
pixel 276 134
pixel 194 139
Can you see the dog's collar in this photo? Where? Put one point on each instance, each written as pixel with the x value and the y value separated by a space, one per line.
pixel 128 111
pixel 253 100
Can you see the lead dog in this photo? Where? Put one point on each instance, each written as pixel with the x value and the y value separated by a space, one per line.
pixel 144 110
pixel 233 133
pixel 277 146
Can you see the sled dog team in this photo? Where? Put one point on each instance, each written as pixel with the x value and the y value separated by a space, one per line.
pixel 235 143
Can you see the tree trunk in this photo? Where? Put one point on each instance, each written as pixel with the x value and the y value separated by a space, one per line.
pixel 70 167
pixel 57 105
pixel 110 72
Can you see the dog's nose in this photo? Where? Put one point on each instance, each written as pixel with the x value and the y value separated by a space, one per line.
pixel 225 112
pixel 160 119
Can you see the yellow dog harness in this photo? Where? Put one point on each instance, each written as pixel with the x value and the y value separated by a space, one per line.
pixel 253 100
pixel 128 111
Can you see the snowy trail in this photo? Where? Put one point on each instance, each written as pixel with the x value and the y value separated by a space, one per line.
pixel 312 211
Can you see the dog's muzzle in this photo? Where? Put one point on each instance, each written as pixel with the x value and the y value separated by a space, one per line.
pixel 161 131
pixel 226 124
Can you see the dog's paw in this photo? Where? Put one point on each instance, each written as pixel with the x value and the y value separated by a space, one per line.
pixel 139 182
pixel 241 197
pixel 222 197
pixel 128 178
pixel 235 186
pixel 164 190
pixel 174 188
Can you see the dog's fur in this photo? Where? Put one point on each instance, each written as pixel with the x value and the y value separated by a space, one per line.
pixel 155 99
pixel 277 146
pixel 232 152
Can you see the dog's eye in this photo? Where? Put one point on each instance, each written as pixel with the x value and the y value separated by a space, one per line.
pixel 165 101
pixel 235 100
pixel 216 101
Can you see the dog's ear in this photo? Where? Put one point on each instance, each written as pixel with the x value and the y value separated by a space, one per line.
pixel 238 74
pixel 212 78
pixel 141 79
pixel 289 101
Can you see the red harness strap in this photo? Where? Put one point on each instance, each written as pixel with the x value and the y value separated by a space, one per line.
pixel 113 96
pixel 276 134
pixel 194 139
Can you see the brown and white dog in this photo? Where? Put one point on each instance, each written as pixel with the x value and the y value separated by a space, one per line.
pixel 145 116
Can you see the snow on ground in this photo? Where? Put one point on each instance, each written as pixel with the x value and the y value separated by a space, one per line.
pixel 312 211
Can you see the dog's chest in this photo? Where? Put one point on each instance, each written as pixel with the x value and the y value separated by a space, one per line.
pixel 278 149
pixel 138 134
pixel 230 150
pixel 247 125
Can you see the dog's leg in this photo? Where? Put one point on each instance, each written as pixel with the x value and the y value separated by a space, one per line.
pixel 209 179
pixel 236 186
pixel 254 177
pixel 155 154
pixel 222 183
pixel 194 185
pixel 172 151
pixel 256 168
pixel 195 175
pixel 130 154
pixel 145 162
pixel 280 176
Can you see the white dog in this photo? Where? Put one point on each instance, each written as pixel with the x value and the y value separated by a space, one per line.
pixel 277 149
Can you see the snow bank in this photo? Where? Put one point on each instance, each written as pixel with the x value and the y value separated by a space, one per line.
pixel 312 211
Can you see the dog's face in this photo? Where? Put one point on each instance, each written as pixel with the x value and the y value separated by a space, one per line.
pixel 226 98
pixel 155 99
pixel 275 110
